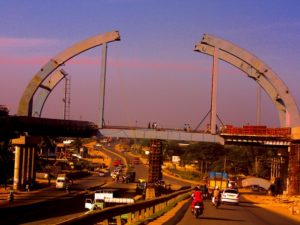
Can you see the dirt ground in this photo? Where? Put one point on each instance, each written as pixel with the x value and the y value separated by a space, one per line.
pixel 288 206
pixel 97 156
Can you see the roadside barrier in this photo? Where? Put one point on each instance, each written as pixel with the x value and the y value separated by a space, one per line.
pixel 131 213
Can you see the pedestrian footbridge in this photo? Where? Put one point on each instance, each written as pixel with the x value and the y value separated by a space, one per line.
pixel 161 134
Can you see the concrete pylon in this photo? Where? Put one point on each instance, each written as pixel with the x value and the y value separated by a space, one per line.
pixel 18 156
pixel 24 168
pixel 294 170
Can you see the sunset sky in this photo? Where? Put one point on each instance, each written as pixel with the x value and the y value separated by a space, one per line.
pixel 153 74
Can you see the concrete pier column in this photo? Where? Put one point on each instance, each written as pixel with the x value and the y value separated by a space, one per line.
pixel 16 184
pixel 29 159
pixel 32 170
pixel 294 170
pixel 24 170
pixel 24 166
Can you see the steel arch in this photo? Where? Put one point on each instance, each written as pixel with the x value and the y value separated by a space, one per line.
pixel 26 102
pixel 257 70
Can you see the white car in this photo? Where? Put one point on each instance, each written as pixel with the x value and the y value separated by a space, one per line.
pixel 230 196
pixel 102 173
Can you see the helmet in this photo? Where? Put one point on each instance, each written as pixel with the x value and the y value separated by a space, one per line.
pixel 217 187
pixel 196 188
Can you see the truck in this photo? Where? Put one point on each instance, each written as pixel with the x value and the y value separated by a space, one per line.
pixel 217 179
pixel 104 198
pixel 99 196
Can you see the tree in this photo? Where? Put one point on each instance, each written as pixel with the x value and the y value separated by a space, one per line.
pixel 6 162
pixel 204 152
pixel 171 148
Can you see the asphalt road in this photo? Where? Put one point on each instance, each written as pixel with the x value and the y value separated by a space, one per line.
pixel 142 170
pixel 68 206
pixel 244 214
pixel 49 205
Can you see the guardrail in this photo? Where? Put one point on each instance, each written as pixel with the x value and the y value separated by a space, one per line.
pixel 131 213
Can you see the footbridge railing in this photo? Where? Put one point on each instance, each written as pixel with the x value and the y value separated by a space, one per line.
pixel 131 213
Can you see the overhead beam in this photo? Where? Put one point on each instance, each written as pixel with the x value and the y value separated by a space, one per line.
pixel 161 135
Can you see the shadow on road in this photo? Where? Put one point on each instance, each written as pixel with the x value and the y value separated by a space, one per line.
pixel 42 210
pixel 221 219
pixel 225 209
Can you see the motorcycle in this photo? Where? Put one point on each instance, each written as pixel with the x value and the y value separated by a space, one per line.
pixel 198 209
pixel 205 195
pixel 216 202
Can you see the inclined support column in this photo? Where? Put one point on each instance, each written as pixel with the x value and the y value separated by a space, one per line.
pixel 102 85
pixel 214 91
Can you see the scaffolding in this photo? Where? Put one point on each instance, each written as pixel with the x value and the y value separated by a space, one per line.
pixel 155 161
pixel 67 97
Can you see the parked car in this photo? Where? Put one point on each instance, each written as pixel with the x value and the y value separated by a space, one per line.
pixel 230 196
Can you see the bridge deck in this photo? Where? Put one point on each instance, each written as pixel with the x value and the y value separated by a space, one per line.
pixel 164 134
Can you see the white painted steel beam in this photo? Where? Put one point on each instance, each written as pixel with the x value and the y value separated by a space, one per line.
pixel 44 91
pixel 260 72
pixel 214 91
pixel 102 86
pixel 252 73
pixel 25 105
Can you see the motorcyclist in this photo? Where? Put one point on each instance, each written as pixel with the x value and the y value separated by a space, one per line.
pixel 11 196
pixel 197 197
pixel 216 194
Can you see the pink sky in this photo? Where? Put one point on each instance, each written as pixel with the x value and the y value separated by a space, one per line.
pixel 153 73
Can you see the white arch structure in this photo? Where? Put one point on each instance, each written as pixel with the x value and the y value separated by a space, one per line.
pixel 257 70
pixel 48 76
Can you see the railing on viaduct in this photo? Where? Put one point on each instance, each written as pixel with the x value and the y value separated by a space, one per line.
pixel 256 131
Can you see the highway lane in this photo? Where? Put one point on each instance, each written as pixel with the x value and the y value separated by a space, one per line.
pixel 50 204
pixel 72 205
pixel 56 205
pixel 142 169
pixel 244 214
